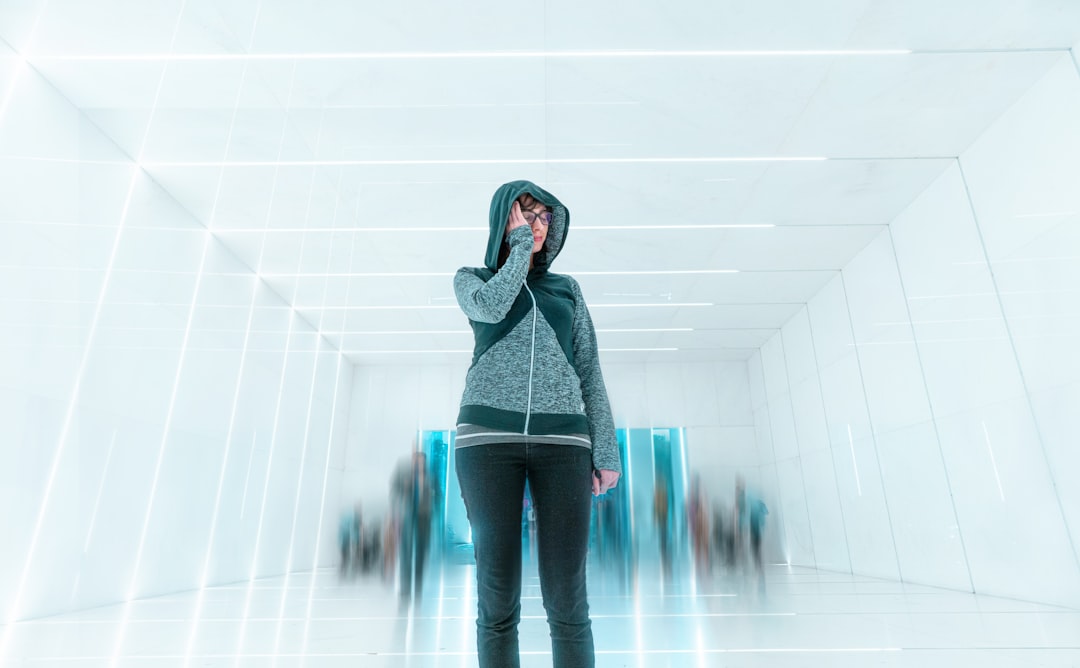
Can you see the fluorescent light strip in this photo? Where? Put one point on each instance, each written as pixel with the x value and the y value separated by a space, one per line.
pixel 447 274
pixel 361 274
pixel 101 488
pixel 472 653
pixel 1054 214
pixel 307 426
pixel 12 612
pixel 184 350
pixel 317 546
pixel 131 590
pixel 656 305
pixel 636 350
pixel 658 272
pixel 465 331
pixel 577 228
pixel 204 575
pixel 68 161
pixel 426 307
pixel 854 463
pixel 463 617
pixel 648 329
pixel 688 226
pixel 281 384
pixel 464 55
pixel 266 486
pixel 465 351
pixel 422 352
pixel 483 161
pixel 247 476
pixel 297 496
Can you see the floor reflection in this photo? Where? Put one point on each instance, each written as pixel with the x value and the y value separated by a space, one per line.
pixel 802 617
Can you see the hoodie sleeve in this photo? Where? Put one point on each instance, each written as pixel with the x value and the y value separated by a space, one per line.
pixel 490 301
pixel 605 448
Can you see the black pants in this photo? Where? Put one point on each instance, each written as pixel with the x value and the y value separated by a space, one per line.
pixel 492 481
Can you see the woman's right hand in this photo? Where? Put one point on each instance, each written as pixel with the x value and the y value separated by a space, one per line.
pixel 516 220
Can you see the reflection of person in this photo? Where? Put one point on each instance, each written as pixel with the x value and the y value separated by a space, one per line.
pixel 534 408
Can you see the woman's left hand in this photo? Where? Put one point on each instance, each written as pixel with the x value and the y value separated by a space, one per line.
pixel 604 480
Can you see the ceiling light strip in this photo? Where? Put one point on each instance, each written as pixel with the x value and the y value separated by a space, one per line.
pixel 415 307
pixel 399 332
pixel 481 161
pixel 463 352
pixel 477 228
pixel 444 274
pixel 463 55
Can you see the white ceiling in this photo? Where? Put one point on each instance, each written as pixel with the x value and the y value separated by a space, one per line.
pixel 327 142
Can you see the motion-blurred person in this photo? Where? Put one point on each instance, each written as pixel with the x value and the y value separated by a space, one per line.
pixel 413 491
pixel 698 519
pixel 534 408
pixel 758 511
pixel 370 546
pixel 349 539
pixel 740 519
pixel 723 536
pixel 661 515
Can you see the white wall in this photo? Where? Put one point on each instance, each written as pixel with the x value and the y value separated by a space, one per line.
pixel 148 444
pixel 390 405
pixel 710 400
pixel 939 375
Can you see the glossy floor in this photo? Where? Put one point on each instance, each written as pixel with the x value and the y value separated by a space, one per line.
pixel 804 617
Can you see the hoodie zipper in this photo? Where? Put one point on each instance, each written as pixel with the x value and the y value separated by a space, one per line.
pixel 532 360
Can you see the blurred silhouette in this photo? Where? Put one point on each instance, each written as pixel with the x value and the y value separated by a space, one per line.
pixel 661 515
pixel 758 511
pixel 349 540
pixel 723 536
pixel 412 493
pixel 698 519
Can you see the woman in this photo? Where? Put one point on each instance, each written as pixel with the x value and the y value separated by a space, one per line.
pixel 534 408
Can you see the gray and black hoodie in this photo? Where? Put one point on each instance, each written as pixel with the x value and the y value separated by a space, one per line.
pixel 535 374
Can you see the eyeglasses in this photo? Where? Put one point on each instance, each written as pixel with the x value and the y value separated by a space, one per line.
pixel 544 218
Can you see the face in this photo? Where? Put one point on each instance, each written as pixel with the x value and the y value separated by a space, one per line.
pixel 539 230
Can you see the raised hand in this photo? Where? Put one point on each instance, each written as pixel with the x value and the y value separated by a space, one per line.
pixel 516 220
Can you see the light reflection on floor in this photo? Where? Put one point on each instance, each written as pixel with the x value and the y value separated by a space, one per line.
pixel 805 618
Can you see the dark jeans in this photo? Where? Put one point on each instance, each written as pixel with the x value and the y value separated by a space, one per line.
pixel 492 481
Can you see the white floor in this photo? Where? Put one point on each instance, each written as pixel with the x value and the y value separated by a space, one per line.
pixel 806 618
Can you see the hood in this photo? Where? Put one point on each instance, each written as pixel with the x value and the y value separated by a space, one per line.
pixel 500 212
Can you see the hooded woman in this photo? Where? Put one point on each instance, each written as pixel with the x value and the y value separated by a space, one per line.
pixel 534 408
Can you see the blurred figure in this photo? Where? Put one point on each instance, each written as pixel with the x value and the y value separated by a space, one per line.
pixel 758 511
pixel 698 519
pixel 723 536
pixel 370 546
pixel 740 519
pixel 413 493
pixel 349 539
pixel 750 513
pixel 661 514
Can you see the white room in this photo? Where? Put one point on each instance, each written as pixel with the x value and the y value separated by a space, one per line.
pixel 830 251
